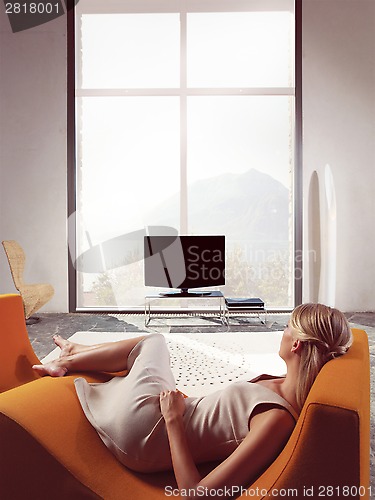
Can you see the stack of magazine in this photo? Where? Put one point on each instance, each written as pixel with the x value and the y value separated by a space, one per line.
pixel 239 303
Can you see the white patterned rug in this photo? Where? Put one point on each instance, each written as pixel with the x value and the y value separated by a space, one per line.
pixel 205 362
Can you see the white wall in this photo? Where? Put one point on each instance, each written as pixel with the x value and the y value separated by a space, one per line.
pixel 339 130
pixel 33 153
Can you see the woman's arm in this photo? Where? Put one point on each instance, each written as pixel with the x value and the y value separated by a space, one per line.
pixel 269 432
pixel 172 406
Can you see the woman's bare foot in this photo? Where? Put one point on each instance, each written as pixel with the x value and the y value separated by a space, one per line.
pixel 66 346
pixel 52 368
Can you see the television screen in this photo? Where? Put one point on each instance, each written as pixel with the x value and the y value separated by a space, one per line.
pixel 184 262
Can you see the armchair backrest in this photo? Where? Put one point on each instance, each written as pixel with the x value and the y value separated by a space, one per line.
pixel 16 259
pixel 329 449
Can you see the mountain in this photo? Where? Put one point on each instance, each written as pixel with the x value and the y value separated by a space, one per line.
pixel 252 206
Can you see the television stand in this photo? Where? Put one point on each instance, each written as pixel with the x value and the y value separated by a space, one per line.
pixel 159 305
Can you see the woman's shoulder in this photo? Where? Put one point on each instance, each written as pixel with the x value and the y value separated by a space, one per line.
pixel 267 394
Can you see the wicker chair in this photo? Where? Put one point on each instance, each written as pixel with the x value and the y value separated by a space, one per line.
pixel 34 296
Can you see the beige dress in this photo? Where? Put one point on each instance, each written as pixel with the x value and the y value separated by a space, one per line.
pixel 126 414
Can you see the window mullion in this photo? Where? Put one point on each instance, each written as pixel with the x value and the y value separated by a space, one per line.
pixel 183 123
pixel 184 91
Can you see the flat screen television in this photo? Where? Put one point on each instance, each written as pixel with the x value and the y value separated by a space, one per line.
pixel 184 262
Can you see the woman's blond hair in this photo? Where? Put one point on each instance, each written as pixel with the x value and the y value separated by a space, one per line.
pixel 325 334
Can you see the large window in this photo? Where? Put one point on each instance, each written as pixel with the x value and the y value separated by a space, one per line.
pixel 185 117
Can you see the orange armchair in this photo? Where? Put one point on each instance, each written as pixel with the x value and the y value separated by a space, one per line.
pixel 48 448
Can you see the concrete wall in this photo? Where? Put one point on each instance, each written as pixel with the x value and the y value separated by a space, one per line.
pixel 339 130
pixel 33 153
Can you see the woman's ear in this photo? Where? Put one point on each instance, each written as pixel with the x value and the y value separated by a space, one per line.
pixel 296 346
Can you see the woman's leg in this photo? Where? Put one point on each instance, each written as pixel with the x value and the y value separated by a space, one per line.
pixel 67 347
pixel 109 357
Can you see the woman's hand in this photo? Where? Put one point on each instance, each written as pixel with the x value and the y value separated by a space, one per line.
pixel 172 404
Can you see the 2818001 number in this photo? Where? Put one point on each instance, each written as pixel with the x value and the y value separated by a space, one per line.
pixel 32 8
pixel 343 491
